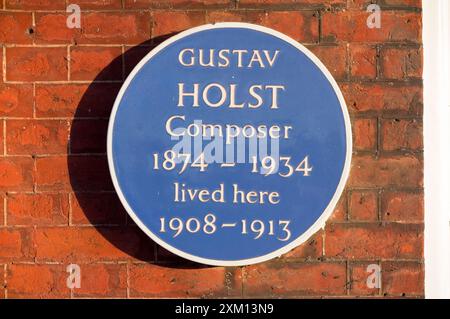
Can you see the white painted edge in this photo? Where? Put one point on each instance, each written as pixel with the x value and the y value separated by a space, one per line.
pixel 436 15
pixel 320 223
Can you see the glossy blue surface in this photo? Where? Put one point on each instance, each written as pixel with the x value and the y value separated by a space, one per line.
pixel 309 104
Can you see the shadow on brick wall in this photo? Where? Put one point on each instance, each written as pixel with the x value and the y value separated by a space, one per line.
pixel 95 201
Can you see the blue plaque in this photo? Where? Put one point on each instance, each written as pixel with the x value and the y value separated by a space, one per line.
pixel 229 144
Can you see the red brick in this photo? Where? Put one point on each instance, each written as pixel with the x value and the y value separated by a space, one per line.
pixel 358 280
pixel 374 241
pixel 401 134
pixel 99 4
pixel 89 244
pixel 407 3
pixel 387 98
pixel 36 64
pixel 363 206
pixel 306 22
pixel 37 281
pixel 165 23
pixel 271 3
pixel 36 4
pixel 351 26
pixel 97 209
pixel 194 282
pixel 14 27
pixel 363 61
pixel 16 174
pixel 1 67
pixel 401 171
pixel 340 211
pixel 401 63
pixel 294 279
pixel 75 100
pixel 334 58
pixel 2 150
pixel 115 27
pixel 99 63
pixel 88 136
pixel 16 100
pixel 52 28
pixel 73 172
pixel 178 4
pixel 403 279
pixel 2 281
pixel 16 244
pixel 102 281
pixel 2 211
pixel 363 4
pixel 37 209
pixel 365 134
pixel 249 16
pixel 24 137
pixel 402 206
pixel 309 250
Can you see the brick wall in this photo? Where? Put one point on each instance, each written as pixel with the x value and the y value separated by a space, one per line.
pixel 57 87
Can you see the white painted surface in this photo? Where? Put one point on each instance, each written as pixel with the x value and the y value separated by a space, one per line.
pixel 436 37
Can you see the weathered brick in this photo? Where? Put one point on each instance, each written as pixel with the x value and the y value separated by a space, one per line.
pixel 363 206
pixel 374 241
pixel 306 22
pixel 36 4
pixel 288 3
pixel 37 209
pixel 52 28
pixel 36 64
pixel 363 61
pixel 16 174
pixel 340 211
pixel 102 281
pixel 310 250
pixel 89 244
pixel 363 4
pixel 166 23
pixel 16 244
pixel 115 27
pixel 2 281
pixel 177 4
pixel 207 282
pixel 294 279
pixel 16 100
pixel 334 58
pixel 96 63
pixel 401 134
pixel 15 27
pixel 37 281
pixel 365 134
pixel 75 100
pixel 2 211
pixel 403 279
pixel 400 171
pixel 99 4
pixel 359 275
pixel 401 63
pixel 402 206
pixel 74 172
pixel 388 98
pixel 351 26
pixel 24 137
